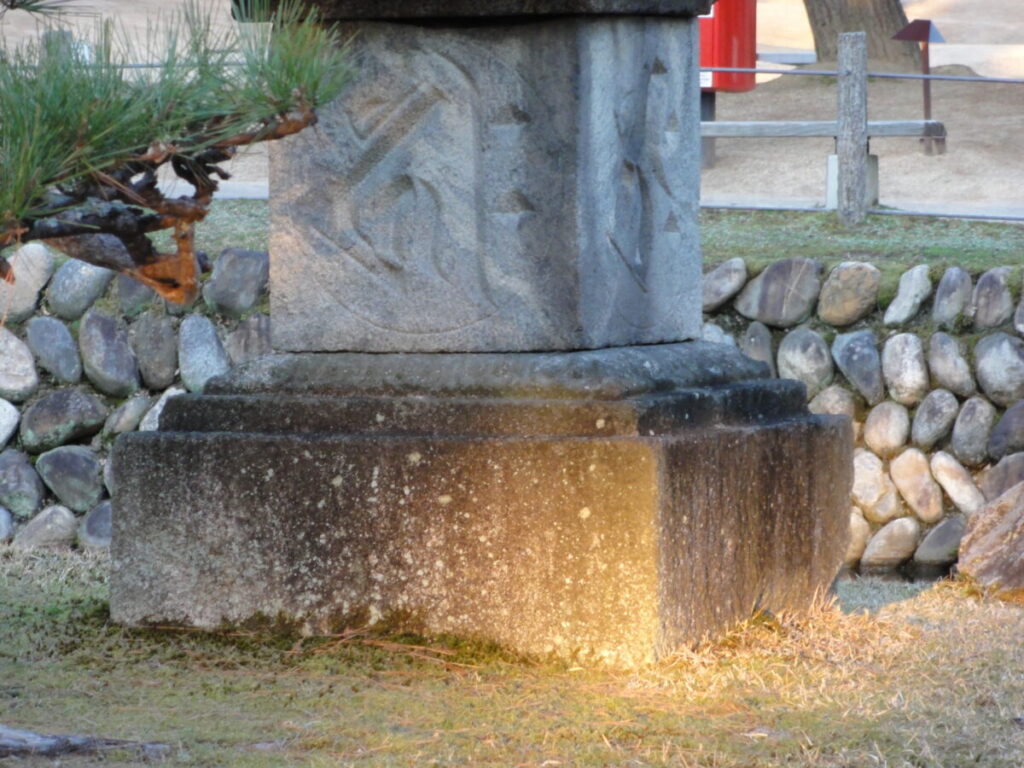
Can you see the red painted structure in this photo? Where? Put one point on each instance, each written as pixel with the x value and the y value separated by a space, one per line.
pixel 728 38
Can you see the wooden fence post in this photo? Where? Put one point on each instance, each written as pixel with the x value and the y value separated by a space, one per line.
pixel 852 138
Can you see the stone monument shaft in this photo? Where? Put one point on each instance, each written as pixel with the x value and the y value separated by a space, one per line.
pixel 488 185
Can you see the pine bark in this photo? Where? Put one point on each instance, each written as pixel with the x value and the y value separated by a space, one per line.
pixel 879 19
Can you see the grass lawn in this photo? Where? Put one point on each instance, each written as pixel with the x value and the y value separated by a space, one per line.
pixel 925 678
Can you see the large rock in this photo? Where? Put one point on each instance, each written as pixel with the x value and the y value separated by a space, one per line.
pixel 915 286
pixel 75 287
pixel 904 369
pixel 892 545
pixel 860 534
pixel 941 545
pixel 934 418
pixel 201 356
pixel 1008 435
pixel 94 532
pixel 783 295
pixel 238 279
pixel 61 417
pixel 132 296
pixel 949 366
pixel 857 356
pixel 6 526
pixel 1018 318
pixel 992 549
pixel 723 282
pixel 18 377
pixel 951 308
pixel 33 267
pixel 999 362
pixel 21 490
pixel 107 356
pixel 913 478
pixel 992 300
pixel 804 356
pixel 74 474
pixel 835 400
pixel 886 428
pixel 53 528
pixel 849 293
pixel 957 483
pixel 9 418
pixel 971 431
pixel 154 340
pixel 873 490
pixel 997 480
pixel 251 339
pixel 54 347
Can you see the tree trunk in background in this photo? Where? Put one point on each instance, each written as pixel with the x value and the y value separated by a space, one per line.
pixel 880 19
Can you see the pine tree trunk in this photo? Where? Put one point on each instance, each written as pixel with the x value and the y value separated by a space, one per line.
pixel 880 19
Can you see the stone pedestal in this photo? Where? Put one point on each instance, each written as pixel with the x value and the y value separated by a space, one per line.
pixel 482 420
pixel 606 506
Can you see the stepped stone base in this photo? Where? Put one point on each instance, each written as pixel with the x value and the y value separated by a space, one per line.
pixel 606 527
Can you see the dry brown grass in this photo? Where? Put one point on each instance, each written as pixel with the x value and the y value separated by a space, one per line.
pixel 931 679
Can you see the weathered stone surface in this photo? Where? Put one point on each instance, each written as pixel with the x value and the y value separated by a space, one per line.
pixel 934 418
pixel 74 474
pixel 991 300
pixel 428 232
pixel 21 490
pixel 152 418
pixel 251 339
pixel 54 347
pixel 915 286
pixel 971 431
pixel 892 545
pixel 342 10
pixel 913 478
pixel 904 369
pixel 957 483
pixel 992 549
pixel 9 418
pixel 999 363
pixel 713 334
pixel 238 279
pixel 154 340
pixel 1008 435
pixel 873 490
pixel 127 416
pixel 18 377
pixel 1018 317
pixel 783 294
pixel 723 282
pixel 53 528
pixel 952 306
pixel 75 287
pixel 61 417
pixel 804 356
pixel 201 355
pixel 949 366
pixel 33 266
pixel 94 531
pixel 849 293
pixel 835 400
pixel 942 543
pixel 886 428
pixel 133 296
pixel 997 480
pixel 6 526
pixel 107 357
pixel 857 356
pixel 860 534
